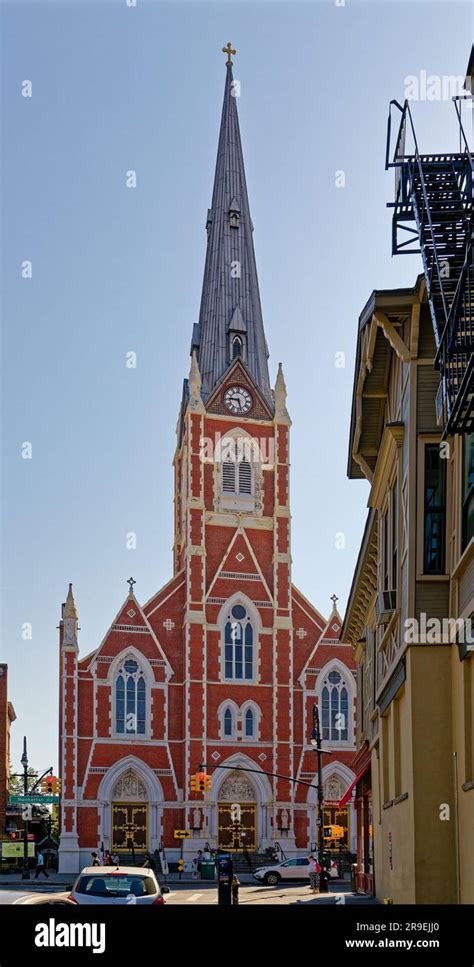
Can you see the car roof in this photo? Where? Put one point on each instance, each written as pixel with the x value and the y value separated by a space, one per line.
pixel 124 870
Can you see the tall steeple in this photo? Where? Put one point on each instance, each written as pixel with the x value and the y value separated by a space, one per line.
pixel 230 318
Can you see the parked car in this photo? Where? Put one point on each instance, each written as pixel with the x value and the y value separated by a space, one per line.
pixel 118 884
pixel 56 899
pixel 294 869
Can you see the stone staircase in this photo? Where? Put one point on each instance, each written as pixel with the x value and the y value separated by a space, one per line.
pixel 256 860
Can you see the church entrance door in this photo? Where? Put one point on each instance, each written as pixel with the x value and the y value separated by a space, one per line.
pixel 129 826
pixel 237 836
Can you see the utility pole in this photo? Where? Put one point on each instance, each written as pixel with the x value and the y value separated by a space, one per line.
pixel 24 761
pixel 316 743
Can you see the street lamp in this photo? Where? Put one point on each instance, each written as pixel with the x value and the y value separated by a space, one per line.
pixel 25 875
pixel 316 743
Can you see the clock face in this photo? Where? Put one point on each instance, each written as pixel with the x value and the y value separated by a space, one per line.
pixel 237 399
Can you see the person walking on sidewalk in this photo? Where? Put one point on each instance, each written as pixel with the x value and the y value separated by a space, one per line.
pixel 313 873
pixel 196 865
pixel 40 867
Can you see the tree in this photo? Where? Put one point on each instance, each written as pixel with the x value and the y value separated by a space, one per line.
pixel 16 782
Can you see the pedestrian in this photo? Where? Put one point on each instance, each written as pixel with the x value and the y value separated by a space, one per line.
pixel 115 859
pixel 150 862
pixel 247 858
pixel 235 889
pixel 40 867
pixel 196 865
pixel 313 873
pixel 95 859
pixel 108 859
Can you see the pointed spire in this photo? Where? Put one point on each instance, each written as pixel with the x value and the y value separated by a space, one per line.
pixel 70 623
pixel 230 273
pixel 195 399
pixel 280 394
pixel 70 610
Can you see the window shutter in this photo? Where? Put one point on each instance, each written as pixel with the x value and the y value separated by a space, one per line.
pixel 228 477
pixel 245 477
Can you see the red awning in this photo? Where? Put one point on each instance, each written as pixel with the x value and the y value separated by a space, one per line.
pixel 348 793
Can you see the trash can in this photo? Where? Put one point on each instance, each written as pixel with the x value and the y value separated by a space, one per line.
pixel 208 870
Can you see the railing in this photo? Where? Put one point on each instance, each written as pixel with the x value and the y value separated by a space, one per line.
pixel 452 313
pixel 407 186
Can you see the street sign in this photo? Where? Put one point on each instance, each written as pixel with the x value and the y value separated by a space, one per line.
pixel 182 833
pixel 13 850
pixel 35 798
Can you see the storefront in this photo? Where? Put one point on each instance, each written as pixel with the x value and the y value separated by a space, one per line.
pixel 363 804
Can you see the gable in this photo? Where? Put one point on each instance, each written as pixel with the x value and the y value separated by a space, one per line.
pixel 238 375
pixel 129 629
pixel 239 566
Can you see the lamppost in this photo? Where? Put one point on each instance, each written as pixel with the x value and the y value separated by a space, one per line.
pixel 24 761
pixel 316 743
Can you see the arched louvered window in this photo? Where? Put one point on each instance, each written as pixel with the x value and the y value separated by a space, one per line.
pixel 130 699
pixel 335 708
pixel 237 347
pixel 249 723
pixel 228 722
pixel 238 644
pixel 237 473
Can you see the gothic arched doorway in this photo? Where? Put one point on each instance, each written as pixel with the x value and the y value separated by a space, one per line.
pixel 237 833
pixel 129 814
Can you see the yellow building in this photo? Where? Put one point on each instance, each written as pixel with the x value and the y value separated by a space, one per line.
pixel 411 606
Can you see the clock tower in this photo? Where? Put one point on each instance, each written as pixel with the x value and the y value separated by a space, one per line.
pixel 232 533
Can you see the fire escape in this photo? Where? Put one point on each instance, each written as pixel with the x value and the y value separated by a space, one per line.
pixel 432 214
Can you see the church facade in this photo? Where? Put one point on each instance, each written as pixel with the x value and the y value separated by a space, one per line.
pixel 222 666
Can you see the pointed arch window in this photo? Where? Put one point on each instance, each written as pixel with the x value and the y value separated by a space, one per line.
pixel 130 699
pixel 249 724
pixel 238 645
pixel 228 723
pixel 335 708
pixel 237 347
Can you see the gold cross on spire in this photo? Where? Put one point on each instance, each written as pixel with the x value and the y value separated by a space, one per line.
pixel 229 50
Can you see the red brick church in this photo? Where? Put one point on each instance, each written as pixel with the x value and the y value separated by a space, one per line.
pixel 223 664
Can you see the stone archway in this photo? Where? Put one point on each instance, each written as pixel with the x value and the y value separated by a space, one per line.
pixel 246 788
pixel 130 797
pixel 336 779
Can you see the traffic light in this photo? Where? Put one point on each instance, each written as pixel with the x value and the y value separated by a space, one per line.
pixel 50 786
pixel 200 782
pixel 205 781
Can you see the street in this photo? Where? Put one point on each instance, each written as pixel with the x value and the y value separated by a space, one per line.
pixel 206 894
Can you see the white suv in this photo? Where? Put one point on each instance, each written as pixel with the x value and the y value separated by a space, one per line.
pixel 294 869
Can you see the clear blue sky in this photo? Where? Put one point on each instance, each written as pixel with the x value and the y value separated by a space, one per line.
pixel 118 88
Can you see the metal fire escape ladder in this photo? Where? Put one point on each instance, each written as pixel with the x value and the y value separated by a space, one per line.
pixel 433 215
